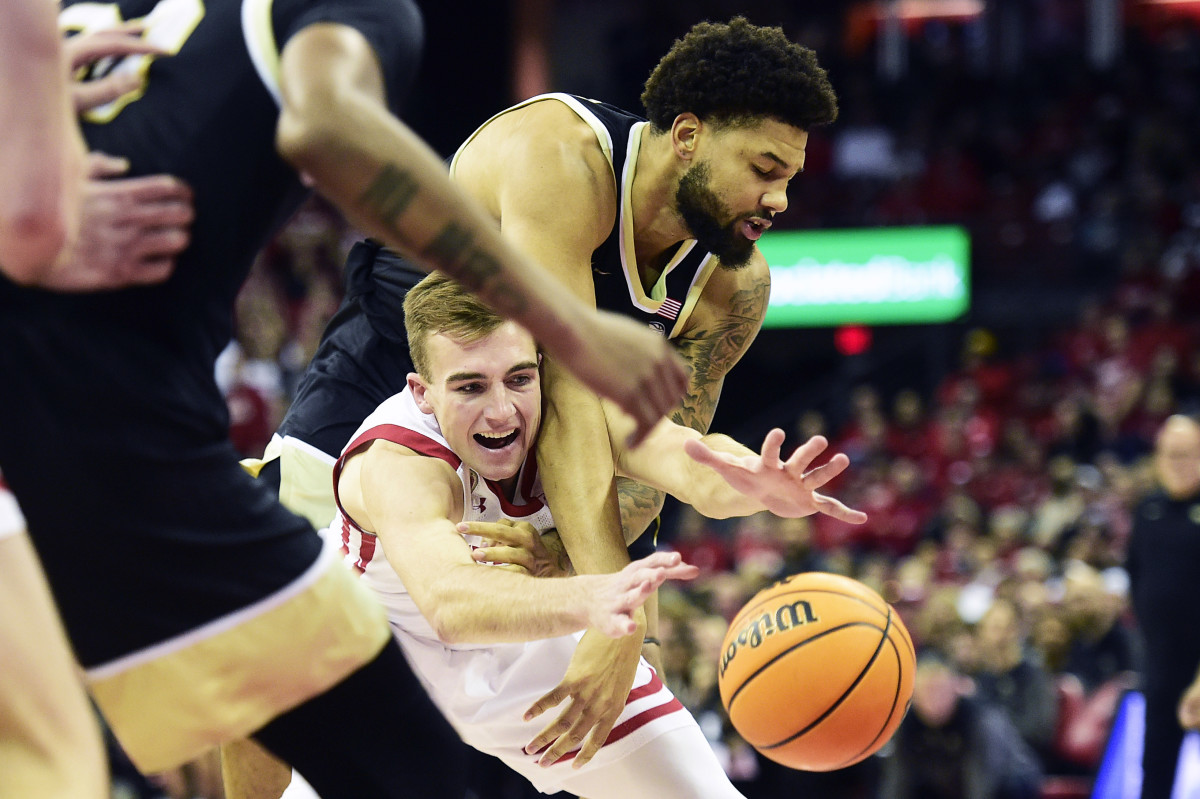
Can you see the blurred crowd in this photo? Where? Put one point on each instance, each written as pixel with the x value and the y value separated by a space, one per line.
pixel 1000 499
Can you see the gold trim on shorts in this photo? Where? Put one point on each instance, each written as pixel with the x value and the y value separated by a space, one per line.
pixel 305 478
pixel 170 704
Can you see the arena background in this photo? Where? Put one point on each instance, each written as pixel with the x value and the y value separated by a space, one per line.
pixel 1000 454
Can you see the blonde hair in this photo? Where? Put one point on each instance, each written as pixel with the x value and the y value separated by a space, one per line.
pixel 439 304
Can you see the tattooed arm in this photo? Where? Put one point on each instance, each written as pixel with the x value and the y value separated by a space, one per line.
pixel 719 332
pixel 335 128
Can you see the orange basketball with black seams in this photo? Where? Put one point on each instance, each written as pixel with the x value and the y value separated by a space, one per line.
pixel 817 671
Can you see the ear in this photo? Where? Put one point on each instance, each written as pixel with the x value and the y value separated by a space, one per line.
pixel 419 390
pixel 685 131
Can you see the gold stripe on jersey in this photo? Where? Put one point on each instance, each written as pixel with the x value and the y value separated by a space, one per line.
pixel 694 294
pixel 602 134
pixel 259 33
pixel 169 709
pixel 653 301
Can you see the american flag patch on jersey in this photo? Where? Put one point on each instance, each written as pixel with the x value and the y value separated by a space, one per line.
pixel 670 308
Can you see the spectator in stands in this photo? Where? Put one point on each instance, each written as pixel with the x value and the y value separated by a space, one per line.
pixel 1102 646
pixel 1012 677
pixel 954 746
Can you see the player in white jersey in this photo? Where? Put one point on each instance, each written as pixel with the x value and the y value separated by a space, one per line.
pixel 455 447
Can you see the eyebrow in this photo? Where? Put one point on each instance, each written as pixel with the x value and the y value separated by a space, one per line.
pixel 459 376
pixel 786 166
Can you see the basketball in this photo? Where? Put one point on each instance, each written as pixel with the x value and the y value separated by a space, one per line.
pixel 816 671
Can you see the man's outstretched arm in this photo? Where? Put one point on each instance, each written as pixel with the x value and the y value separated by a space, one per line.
pixel 336 129
pixel 408 500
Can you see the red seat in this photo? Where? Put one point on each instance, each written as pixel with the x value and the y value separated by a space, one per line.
pixel 1086 718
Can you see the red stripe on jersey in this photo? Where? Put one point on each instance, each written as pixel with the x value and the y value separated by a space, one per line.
pixel 641 719
pixel 397 435
pixel 528 509
pixel 366 550
pixel 631 724
pixel 652 687
pixel 405 437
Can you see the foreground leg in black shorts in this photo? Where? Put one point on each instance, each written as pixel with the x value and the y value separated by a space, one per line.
pixel 374 735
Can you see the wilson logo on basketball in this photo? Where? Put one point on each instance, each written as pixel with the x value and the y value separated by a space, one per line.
pixel 753 633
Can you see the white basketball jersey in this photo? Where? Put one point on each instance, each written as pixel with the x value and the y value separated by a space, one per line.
pixel 483 689
pixel 400 421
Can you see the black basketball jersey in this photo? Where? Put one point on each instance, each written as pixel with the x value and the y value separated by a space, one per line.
pixel 614 265
pixel 362 358
pixel 144 356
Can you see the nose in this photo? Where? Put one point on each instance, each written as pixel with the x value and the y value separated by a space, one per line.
pixel 775 200
pixel 500 406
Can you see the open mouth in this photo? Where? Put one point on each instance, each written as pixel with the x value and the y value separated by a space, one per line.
pixel 754 228
pixel 496 442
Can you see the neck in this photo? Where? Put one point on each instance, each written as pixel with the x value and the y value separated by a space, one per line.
pixel 508 487
pixel 657 226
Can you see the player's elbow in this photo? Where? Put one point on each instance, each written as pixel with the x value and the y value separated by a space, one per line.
pixel 449 626
pixel 443 609
pixel 305 140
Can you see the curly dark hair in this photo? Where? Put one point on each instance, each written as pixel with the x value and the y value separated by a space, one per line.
pixel 738 72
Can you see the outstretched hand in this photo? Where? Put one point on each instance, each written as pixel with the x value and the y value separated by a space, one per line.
pixel 783 487
pixel 597 682
pixel 615 597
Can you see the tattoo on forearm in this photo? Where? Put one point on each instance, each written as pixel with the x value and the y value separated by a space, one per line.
pixel 639 505
pixel 713 352
pixel 389 195
pixel 455 252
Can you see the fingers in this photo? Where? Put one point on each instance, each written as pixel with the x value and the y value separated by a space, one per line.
pixel 565 734
pixel 153 244
pixel 94 93
pixel 591 746
pixel 157 189
pixel 539 707
pixel 645 415
pixel 87 48
pixel 659 395
pixel 807 452
pixel 770 449
pixel 835 508
pixel 818 477
pixel 506 557
pixel 503 532
pixel 701 453
pixel 102 165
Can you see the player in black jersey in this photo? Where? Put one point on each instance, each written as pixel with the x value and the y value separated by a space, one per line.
pixel 656 219
pixel 200 609
pixel 49 213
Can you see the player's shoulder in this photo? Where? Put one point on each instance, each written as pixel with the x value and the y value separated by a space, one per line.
pixel 752 278
pixel 548 129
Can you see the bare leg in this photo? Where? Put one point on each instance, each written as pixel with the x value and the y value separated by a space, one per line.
pixel 50 744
